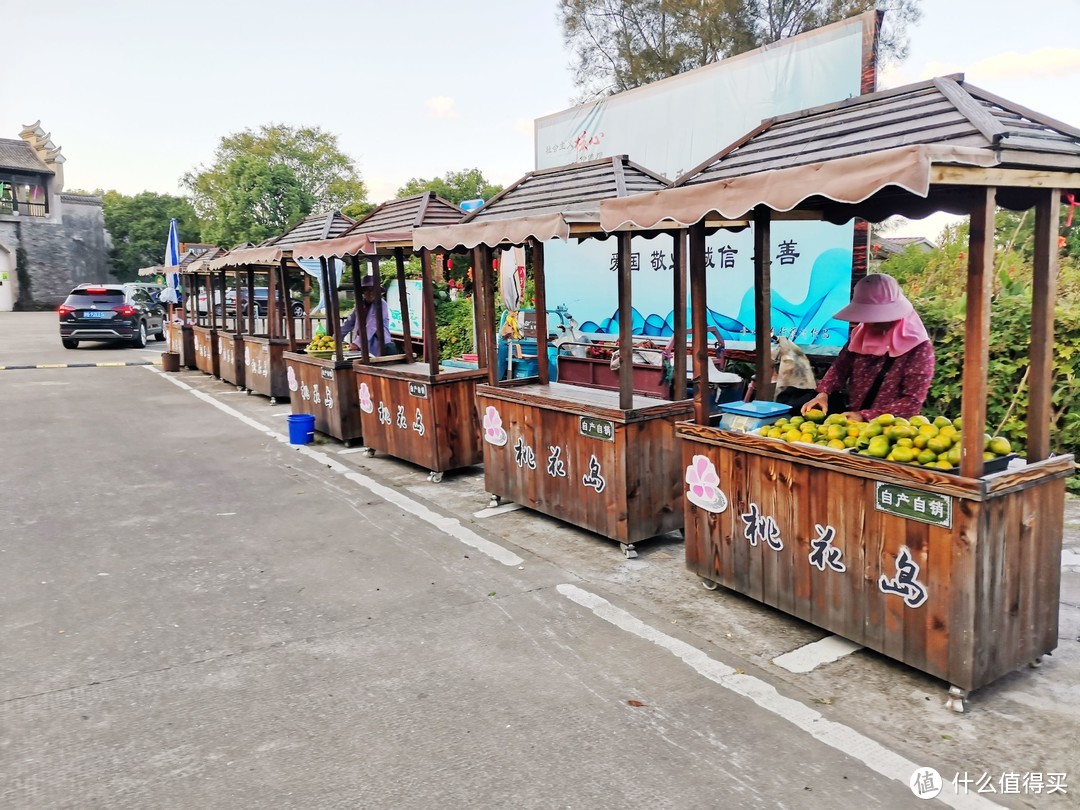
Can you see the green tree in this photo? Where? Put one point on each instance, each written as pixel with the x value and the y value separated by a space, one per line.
pixel 621 44
pixel 468 184
pixel 255 199
pixel 139 227
pixel 326 175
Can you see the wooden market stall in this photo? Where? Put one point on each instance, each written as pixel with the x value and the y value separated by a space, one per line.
pixel 181 336
pixel 261 344
pixel 957 575
pixel 603 460
pixel 197 281
pixel 417 411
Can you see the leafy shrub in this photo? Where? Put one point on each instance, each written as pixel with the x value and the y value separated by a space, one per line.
pixel 1007 372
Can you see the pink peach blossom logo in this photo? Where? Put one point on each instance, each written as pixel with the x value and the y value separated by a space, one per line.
pixel 365 398
pixel 493 429
pixel 293 385
pixel 704 485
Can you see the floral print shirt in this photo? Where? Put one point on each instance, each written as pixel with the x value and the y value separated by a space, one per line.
pixel 902 392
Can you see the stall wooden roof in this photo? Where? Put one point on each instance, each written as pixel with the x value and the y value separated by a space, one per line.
pixel 884 150
pixel 545 204
pixel 388 226
pixel 313 226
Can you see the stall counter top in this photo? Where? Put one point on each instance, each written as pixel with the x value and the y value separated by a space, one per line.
pixel 420 372
pixel 586 401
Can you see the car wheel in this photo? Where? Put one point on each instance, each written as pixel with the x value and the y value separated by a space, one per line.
pixel 259 312
pixel 69 344
pixel 217 309
pixel 139 341
pixel 161 336
pixel 298 310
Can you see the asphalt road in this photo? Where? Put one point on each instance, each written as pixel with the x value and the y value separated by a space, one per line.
pixel 193 613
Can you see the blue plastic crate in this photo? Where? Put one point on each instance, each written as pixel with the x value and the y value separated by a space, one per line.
pixel 747 416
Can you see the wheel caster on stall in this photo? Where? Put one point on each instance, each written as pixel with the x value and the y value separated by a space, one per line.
pixel 493 502
pixel 709 585
pixel 434 477
pixel 1035 663
pixel 239 388
pixel 956 698
pixel 628 550
pixel 248 392
pixel 273 400
pixel 369 452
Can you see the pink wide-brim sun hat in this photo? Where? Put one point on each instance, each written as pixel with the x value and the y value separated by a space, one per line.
pixel 877 298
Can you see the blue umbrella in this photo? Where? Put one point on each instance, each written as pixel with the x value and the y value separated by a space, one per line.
pixel 172 259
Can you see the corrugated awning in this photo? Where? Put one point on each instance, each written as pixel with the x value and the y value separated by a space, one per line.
pixel 846 180
pixel 509 231
pixel 344 246
pixel 269 255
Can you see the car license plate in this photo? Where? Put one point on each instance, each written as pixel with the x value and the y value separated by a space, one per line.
pixel 93 313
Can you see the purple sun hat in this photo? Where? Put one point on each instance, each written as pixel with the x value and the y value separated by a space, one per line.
pixel 877 298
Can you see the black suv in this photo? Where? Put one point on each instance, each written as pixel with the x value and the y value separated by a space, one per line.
pixel 262 302
pixel 114 312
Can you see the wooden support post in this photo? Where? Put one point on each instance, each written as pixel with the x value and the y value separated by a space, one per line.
pixel 219 295
pixel 763 302
pixel 251 299
pixel 307 307
pixel 698 312
pixel 1043 297
pixel 484 276
pixel 286 301
pixel 479 346
pixel 403 300
pixel 626 325
pixel 359 310
pixel 678 360
pixel 273 325
pixel 334 308
pixel 540 284
pixel 431 340
pixel 977 333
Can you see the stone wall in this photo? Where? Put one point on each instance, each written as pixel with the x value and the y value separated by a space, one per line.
pixel 68 247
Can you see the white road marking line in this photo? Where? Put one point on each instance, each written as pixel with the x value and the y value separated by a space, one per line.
pixel 1070 560
pixel 846 740
pixel 448 525
pixel 498 510
pixel 348 451
pixel 810 656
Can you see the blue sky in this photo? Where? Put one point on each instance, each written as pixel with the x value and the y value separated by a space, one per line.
pixel 138 91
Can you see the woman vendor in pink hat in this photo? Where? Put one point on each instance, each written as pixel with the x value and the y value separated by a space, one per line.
pixel 888 362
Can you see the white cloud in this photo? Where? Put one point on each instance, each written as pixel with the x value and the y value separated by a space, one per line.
pixel 1043 64
pixel 441 107
pixel 524 126
pixel 381 189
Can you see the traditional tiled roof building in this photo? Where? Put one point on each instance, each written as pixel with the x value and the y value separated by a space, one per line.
pixel 49 241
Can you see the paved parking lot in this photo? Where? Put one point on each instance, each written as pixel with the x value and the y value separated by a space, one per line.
pixel 195 613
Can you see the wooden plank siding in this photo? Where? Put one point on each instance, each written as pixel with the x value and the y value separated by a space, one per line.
pixel 327 390
pixel 639 467
pixel 990 579
pixel 231 358
pixel 206 349
pixel 182 341
pixel 441 426
pixel 264 366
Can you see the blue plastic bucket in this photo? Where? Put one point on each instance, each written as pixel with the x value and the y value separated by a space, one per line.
pixel 301 428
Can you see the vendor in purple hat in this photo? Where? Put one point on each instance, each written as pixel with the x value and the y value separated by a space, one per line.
pixel 370 312
pixel 888 362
